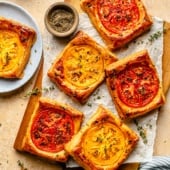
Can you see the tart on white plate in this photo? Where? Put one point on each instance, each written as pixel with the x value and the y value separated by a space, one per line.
pixel 16 40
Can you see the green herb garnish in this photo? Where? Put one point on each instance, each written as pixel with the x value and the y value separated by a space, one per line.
pixel 34 92
pixel 20 164
pixel 155 36
pixel 47 89
pixel 142 132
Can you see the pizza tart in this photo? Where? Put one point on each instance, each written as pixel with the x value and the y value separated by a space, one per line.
pixel 134 85
pixel 117 21
pixel 79 69
pixel 103 143
pixel 16 41
pixel 49 128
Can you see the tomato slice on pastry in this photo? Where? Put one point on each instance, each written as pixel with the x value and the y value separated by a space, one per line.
pixel 51 129
pixel 137 85
pixel 103 143
pixel 16 41
pixel 119 15
pixel 117 21
pixel 134 85
pixel 80 67
pixel 48 128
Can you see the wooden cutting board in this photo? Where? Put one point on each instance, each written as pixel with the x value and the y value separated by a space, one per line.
pixel 166 58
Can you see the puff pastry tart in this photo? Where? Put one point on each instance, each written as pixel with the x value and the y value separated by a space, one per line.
pixel 117 21
pixel 103 143
pixel 50 127
pixel 134 85
pixel 79 69
pixel 16 41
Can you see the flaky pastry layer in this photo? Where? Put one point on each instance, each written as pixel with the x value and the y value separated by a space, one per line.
pixel 79 68
pixel 103 143
pixel 118 22
pixel 134 85
pixel 50 126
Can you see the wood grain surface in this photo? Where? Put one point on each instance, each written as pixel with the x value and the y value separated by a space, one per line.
pixel 166 58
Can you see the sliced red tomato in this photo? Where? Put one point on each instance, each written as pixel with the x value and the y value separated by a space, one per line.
pixel 137 84
pixel 118 15
pixel 51 129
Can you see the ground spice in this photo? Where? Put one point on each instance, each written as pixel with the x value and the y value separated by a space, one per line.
pixel 61 20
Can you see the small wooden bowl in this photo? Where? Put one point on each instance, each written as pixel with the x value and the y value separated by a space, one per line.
pixel 61 19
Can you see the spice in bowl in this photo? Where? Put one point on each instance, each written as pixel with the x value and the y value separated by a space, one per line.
pixel 61 19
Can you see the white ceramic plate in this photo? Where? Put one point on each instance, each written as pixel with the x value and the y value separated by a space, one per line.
pixel 15 12
pixel 157 163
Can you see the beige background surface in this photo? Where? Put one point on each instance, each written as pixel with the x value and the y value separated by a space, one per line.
pixel 12 107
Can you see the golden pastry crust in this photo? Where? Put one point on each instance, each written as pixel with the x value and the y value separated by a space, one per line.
pixel 49 128
pixel 118 22
pixel 16 41
pixel 103 143
pixel 79 69
pixel 134 85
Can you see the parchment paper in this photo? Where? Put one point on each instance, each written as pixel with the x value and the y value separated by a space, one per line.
pixel 53 46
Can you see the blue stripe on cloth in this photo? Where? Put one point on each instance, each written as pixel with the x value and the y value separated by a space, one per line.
pixel 157 163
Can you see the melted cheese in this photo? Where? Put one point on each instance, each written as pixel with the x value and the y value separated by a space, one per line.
pixel 104 144
pixel 10 50
pixel 83 65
